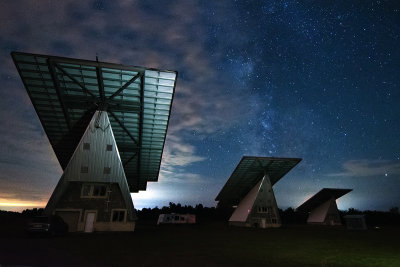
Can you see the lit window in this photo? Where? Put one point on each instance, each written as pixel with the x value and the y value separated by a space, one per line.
pixel 118 215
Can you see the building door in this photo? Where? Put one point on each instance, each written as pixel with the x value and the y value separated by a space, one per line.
pixel 263 224
pixel 90 216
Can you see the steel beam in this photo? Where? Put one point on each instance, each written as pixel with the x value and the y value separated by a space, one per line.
pixel 140 127
pixel 60 93
pixel 130 159
pixel 123 127
pixel 100 83
pixel 126 85
pixel 74 80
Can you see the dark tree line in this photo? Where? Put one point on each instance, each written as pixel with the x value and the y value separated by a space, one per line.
pixel 206 214
pixel 202 213
pixel 291 216
pixel 33 212
pixel 288 216
pixel 377 218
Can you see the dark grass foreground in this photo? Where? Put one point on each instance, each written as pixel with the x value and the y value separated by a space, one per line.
pixel 207 244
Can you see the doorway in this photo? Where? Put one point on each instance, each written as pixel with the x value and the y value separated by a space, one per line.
pixel 89 221
pixel 263 224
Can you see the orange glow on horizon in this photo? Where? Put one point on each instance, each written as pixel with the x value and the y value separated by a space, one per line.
pixel 17 203
pixel 10 204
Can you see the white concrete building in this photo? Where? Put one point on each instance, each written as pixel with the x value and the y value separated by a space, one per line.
pixel 107 125
pixel 322 208
pixel 249 190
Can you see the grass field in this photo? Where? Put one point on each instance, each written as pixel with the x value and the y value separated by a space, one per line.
pixel 212 244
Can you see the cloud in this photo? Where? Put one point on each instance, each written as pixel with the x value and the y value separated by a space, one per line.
pixel 204 111
pixel 368 168
pixel 177 157
pixel 15 191
pixel 181 178
pixel 171 38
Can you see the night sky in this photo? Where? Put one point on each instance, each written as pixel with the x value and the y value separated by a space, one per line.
pixel 317 80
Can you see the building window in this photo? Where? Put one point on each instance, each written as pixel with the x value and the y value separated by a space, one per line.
pixel 109 147
pixel 84 169
pixel 99 190
pixel 94 191
pixel 264 209
pixel 86 190
pixel 118 215
pixel 107 170
pixel 86 146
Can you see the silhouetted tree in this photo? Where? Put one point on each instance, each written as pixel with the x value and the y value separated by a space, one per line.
pixel 394 210
pixel 353 211
pixel 33 212
pixel 291 216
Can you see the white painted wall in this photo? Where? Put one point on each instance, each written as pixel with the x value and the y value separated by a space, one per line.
pixel 244 208
pixel 318 214
pixel 96 158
